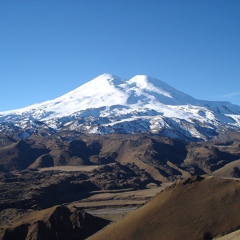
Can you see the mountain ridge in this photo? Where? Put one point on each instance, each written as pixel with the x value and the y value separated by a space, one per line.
pixel 110 104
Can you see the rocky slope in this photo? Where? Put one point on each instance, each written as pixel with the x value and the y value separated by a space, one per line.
pixel 55 223
pixel 30 189
pixel 140 156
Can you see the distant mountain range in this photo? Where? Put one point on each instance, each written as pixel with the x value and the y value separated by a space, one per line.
pixel 110 104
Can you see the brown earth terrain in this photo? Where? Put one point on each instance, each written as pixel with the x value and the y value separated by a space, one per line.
pixel 231 236
pixel 195 208
pixel 20 208
pixel 58 222
pixel 110 176
pixel 161 159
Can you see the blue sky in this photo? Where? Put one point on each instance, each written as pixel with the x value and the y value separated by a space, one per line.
pixel 50 47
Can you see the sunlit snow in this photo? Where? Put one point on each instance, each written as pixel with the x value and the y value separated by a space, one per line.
pixel 109 101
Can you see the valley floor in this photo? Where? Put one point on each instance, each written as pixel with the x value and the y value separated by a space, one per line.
pixel 112 205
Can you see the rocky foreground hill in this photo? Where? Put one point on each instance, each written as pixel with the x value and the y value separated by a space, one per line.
pixel 58 222
pixel 199 208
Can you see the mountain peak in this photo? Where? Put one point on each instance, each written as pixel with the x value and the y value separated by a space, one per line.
pixel 107 76
pixel 151 84
pixel 141 81
pixel 109 103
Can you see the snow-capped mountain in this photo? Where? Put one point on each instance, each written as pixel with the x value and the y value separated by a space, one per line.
pixel 109 104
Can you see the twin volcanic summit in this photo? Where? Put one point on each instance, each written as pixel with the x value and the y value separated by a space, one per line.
pixel 109 104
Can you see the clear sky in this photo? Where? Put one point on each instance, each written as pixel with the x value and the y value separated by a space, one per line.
pixel 50 47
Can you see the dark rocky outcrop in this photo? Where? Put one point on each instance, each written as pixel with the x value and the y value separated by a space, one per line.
pixel 57 223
